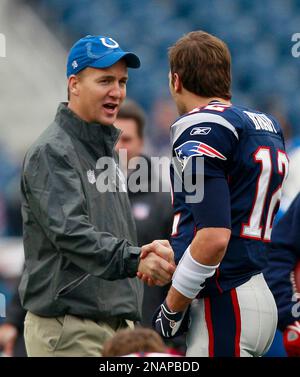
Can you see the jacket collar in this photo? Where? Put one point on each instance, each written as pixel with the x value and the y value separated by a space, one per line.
pixel 94 133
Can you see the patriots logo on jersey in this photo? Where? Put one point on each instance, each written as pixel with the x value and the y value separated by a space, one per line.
pixel 196 148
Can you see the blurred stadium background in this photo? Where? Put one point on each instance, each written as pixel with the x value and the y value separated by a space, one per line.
pixel 39 33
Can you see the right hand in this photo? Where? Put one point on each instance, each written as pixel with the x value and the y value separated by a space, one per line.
pixel 161 248
pixel 8 336
pixel 170 324
pixel 156 265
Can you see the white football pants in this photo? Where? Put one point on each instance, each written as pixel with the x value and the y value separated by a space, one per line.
pixel 241 322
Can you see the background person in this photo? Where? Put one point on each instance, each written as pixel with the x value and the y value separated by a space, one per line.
pixel 152 210
pixel 11 331
pixel 284 254
pixel 135 343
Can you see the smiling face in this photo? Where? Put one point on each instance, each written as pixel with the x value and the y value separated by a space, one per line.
pixel 96 94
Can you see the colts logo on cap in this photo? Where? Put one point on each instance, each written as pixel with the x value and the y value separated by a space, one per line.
pixel 74 64
pixel 112 43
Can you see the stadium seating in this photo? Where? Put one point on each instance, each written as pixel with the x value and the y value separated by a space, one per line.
pixel 258 33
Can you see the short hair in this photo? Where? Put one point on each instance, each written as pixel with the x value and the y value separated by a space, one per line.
pixel 131 110
pixel 128 341
pixel 203 63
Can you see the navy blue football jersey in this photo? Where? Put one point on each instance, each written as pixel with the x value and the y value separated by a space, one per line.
pixel 283 256
pixel 245 147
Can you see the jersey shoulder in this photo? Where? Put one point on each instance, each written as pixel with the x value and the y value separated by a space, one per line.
pixel 201 121
pixel 255 120
pixel 235 119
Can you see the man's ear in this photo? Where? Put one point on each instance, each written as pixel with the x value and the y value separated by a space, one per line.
pixel 177 84
pixel 73 85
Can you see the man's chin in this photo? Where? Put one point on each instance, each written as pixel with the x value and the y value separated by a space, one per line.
pixel 107 121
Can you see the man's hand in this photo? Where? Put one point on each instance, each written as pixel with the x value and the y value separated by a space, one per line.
pixel 291 339
pixel 170 324
pixel 159 247
pixel 8 336
pixel 157 263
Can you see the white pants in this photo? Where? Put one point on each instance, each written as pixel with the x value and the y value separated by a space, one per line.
pixel 241 322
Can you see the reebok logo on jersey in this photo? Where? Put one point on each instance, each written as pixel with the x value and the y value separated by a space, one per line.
pixel 196 148
pixel 200 131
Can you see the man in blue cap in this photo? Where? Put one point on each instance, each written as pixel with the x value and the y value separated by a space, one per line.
pixel 79 284
pixel 97 73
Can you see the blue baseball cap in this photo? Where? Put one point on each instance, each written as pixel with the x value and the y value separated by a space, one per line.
pixel 98 52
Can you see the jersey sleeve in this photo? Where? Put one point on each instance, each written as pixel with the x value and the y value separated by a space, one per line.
pixel 214 209
pixel 208 136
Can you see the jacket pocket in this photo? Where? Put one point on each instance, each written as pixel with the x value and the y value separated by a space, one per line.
pixel 71 285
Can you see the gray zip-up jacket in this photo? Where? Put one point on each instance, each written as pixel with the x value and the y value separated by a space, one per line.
pixel 79 253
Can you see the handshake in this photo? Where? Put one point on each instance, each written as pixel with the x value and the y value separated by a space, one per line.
pixel 156 265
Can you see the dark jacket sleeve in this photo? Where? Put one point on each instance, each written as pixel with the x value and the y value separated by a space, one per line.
pixel 54 193
pixel 283 255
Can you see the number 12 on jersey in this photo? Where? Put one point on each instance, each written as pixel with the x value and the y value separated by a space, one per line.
pixel 254 228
